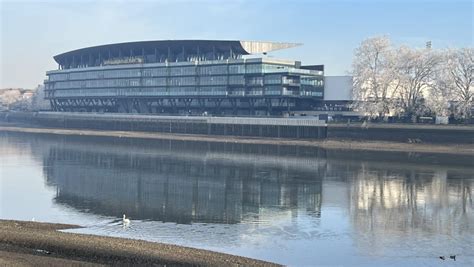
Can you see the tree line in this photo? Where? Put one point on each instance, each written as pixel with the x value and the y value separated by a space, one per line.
pixel 405 81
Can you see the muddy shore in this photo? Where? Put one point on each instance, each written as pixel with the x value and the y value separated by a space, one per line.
pixel 41 244
pixel 462 149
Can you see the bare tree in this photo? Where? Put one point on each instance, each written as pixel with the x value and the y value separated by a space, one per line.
pixel 374 83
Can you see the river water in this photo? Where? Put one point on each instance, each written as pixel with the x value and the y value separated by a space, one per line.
pixel 286 204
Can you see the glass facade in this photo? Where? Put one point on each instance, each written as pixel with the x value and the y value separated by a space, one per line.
pixel 231 84
pixel 254 79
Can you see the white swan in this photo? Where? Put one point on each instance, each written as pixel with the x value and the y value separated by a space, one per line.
pixel 125 221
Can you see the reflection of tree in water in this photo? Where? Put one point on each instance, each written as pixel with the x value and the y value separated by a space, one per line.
pixel 389 204
pixel 172 184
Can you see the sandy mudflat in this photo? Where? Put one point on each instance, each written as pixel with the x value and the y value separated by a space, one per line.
pixel 41 244
pixel 462 149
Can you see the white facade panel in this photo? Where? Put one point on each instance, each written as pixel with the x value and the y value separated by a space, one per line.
pixel 338 88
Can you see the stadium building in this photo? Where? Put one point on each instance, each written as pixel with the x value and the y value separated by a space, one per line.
pixel 191 77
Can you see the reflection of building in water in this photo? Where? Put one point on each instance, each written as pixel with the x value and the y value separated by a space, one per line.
pixel 396 203
pixel 172 184
pixel 388 195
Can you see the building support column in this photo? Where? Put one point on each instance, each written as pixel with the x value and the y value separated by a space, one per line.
pixel 268 102
pixel 252 106
pixel 233 103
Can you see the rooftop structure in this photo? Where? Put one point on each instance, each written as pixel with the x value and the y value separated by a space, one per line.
pixel 164 51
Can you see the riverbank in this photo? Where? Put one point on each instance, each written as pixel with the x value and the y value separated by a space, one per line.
pixel 42 244
pixel 397 132
pixel 345 144
pixel 308 129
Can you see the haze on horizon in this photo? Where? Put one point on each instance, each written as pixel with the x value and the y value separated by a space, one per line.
pixel 32 32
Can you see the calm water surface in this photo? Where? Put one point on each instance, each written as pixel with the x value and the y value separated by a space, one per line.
pixel 291 205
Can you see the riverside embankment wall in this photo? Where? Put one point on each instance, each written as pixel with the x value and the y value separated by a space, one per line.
pixel 251 127
pixel 229 126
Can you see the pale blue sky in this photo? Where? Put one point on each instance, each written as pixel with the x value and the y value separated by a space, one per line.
pixel 32 32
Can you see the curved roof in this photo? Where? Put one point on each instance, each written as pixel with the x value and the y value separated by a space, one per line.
pixel 174 46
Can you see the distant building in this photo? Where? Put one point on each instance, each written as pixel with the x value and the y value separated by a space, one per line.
pixel 27 95
pixel 337 98
pixel 183 77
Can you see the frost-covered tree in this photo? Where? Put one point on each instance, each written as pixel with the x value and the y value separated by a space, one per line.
pixel 452 91
pixel 459 73
pixel 8 97
pixel 38 102
pixel 374 83
pixel 410 81
pixel 439 96
pixel 416 69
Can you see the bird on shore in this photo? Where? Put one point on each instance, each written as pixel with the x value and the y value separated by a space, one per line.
pixel 442 257
pixel 125 221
